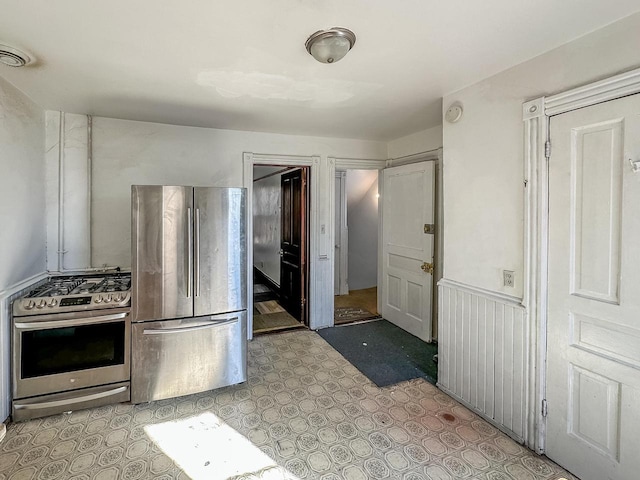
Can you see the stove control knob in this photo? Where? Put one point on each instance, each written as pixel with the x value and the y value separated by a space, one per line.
pixel 108 299
pixel 29 304
pixel 41 304
pixel 98 299
pixel 117 297
pixel 52 303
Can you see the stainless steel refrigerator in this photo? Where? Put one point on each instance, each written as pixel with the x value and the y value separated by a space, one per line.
pixel 189 285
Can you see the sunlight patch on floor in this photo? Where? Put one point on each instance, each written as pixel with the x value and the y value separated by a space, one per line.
pixel 205 447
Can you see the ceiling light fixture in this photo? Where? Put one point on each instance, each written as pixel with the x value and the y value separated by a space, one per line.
pixel 329 46
pixel 13 57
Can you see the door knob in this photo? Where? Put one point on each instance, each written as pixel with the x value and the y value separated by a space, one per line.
pixel 427 267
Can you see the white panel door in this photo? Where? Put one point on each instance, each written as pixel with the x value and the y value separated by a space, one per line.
pixel 407 284
pixel 593 364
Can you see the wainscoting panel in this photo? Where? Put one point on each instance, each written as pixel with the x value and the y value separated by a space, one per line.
pixel 482 352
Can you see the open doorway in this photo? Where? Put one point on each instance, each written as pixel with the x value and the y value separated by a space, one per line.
pixel 356 246
pixel 280 247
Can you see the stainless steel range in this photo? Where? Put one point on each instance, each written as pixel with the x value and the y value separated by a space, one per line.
pixel 71 345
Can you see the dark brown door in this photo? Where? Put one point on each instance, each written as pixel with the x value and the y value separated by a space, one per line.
pixel 293 245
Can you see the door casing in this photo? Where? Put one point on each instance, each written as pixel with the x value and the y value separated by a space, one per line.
pixel 341 241
pixel 317 298
pixel 362 164
pixel 536 117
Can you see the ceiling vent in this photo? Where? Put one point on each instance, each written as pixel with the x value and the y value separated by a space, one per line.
pixel 13 57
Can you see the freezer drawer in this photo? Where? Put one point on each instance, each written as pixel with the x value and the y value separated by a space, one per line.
pixel 172 358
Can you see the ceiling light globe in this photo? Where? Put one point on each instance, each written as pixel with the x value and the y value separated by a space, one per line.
pixel 330 46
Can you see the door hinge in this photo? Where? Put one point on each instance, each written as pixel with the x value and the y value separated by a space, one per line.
pixel 303 301
pixel 429 228
pixel 544 407
pixel 547 149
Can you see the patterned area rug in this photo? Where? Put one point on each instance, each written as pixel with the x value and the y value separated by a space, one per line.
pixel 304 413
pixel 351 314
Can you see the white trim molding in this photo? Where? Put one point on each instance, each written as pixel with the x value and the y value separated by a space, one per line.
pixel 535 265
pixel 490 294
pixel 341 237
pixel 536 116
pixel 334 164
pixel 358 164
pixel 318 285
pixel 627 83
pixel 427 156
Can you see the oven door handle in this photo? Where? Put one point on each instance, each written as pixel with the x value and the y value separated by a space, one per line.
pixel 70 401
pixel 75 322
pixel 161 331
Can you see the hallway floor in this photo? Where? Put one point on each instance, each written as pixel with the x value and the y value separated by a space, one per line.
pixel 268 315
pixel 364 299
pixel 304 413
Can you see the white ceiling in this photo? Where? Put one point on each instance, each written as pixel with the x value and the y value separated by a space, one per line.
pixel 242 64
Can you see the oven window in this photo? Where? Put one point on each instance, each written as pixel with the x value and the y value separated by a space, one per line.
pixel 60 350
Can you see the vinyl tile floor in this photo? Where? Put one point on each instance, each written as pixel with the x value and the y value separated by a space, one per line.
pixel 304 413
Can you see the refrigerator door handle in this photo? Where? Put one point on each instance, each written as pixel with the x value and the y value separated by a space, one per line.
pixel 189 253
pixel 162 331
pixel 197 253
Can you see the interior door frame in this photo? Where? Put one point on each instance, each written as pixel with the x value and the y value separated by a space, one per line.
pixel 536 115
pixel 315 281
pixel 342 235
pixel 336 163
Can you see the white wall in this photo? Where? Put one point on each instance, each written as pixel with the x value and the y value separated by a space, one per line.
pixel 423 141
pixel 362 224
pixel 22 200
pixel 127 152
pixel 22 210
pixel 483 152
pixel 267 223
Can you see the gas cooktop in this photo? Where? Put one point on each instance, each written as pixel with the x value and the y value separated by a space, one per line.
pixel 77 292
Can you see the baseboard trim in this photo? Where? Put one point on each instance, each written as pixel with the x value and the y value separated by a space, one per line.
pixel 263 278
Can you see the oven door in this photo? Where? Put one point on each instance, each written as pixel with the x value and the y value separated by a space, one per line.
pixel 67 351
